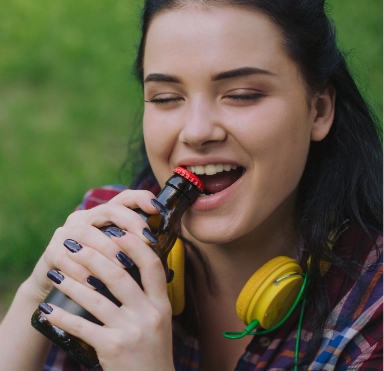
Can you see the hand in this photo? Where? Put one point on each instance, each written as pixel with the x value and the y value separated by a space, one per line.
pixel 136 336
pixel 82 226
pixel 142 325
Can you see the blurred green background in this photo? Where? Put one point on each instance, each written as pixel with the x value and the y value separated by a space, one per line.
pixel 69 104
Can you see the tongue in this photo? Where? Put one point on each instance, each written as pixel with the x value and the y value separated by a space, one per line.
pixel 217 182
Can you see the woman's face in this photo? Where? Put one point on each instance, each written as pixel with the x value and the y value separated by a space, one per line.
pixel 221 92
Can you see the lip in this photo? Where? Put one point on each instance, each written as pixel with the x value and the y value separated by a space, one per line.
pixel 206 161
pixel 214 201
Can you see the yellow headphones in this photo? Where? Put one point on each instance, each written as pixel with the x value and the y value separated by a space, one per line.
pixel 267 299
pixel 267 296
pixel 175 288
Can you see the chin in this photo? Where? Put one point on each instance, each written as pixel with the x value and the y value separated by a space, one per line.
pixel 206 232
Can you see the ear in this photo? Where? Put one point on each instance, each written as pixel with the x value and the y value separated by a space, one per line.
pixel 324 111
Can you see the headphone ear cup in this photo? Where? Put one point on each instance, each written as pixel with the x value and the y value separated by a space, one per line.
pixel 264 299
pixel 176 290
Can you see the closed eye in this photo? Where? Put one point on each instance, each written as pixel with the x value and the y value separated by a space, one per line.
pixel 163 100
pixel 251 97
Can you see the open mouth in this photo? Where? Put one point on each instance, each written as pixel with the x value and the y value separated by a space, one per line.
pixel 216 177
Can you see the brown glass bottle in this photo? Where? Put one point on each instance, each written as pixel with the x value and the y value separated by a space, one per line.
pixel 180 191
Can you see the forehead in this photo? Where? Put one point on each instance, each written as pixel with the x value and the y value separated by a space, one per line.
pixel 201 37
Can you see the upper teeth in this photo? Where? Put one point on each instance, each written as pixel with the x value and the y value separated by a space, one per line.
pixel 210 169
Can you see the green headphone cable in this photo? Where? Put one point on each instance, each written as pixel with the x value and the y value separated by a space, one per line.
pixel 299 326
pixel 249 329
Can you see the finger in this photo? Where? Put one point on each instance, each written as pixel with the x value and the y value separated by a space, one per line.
pixel 92 301
pixel 92 237
pixel 72 324
pixel 55 256
pixel 109 213
pixel 138 199
pixel 113 275
pixel 152 271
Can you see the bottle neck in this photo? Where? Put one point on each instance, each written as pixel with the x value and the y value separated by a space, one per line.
pixel 173 200
pixel 177 195
pixel 189 189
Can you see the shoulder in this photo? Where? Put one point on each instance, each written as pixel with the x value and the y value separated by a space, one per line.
pixel 353 333
pixel 98 196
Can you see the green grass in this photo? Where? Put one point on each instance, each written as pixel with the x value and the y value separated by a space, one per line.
pixel 69 103
pixel 360 31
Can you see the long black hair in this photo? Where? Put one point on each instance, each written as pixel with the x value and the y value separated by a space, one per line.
pixel 343 175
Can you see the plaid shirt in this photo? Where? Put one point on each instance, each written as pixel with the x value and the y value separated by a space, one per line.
pixel 350 340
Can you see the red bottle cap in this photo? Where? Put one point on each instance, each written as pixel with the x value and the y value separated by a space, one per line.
pixel 190 176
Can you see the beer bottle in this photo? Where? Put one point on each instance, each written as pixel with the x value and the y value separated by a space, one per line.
pixel 180 191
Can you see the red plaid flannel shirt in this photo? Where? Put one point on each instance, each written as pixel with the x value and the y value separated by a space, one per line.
pixel 349 342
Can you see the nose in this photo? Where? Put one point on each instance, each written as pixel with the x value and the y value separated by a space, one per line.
pixel 201 125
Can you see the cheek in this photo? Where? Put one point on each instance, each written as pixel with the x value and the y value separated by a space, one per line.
pixel 277 138
pixel 281 123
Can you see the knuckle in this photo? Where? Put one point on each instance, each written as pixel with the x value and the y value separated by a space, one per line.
pixel 77 326
pixel 87 255
pixel 59 317
pixel 58 232
pixel 120 196
pixel 75 216
pixel 124 193
pixel 107 209
pixel 95 300
pixel 147 194
pixel 53 257
pixel 117 274
pixel 81 232
pixel 56 239
pixel 136 336
pixel 156 320
pixel 78 272
pixel 167 309
pixel 154 263
pixel 116 345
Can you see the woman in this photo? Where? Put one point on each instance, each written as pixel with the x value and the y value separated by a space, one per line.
pixel 260 86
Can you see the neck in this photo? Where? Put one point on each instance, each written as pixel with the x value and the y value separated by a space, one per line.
pixel 232 264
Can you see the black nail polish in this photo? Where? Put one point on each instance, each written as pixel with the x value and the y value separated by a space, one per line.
pixel 45 308
pixel 72 245
pixel 55 276
pixel 170 275
pixel 151 237
pixel 159 206
pixel 117 232
pixel 123 259
pixel 97 284
pixel 107 233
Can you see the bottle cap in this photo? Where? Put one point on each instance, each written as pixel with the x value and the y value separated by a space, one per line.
pixel 190 176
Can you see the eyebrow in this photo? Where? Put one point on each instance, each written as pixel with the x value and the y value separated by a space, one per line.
pixel 238 72
pixel 160 77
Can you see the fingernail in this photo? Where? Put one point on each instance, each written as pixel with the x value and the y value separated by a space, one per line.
pixel 151 237
pixel 159 206
pixel 55 276
pixel 123 259
pixel 97 284
pixel 72 245
pixel 45 308
pixel 107 232
pixel 170 275
pixel 115 231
